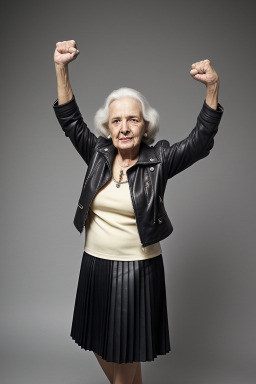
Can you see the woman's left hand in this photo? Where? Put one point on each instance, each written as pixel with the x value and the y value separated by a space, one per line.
pixel 204 72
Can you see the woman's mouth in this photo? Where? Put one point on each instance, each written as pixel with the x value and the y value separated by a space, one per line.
pixel 124 139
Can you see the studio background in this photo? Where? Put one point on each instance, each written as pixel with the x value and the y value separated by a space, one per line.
pixel 210 256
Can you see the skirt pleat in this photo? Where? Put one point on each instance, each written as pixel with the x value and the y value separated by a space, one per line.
pixel 120 309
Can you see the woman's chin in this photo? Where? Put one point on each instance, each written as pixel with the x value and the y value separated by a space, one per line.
pixel 126 144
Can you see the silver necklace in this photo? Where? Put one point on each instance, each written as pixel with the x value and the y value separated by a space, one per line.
pixel 118 183
pixel 121 175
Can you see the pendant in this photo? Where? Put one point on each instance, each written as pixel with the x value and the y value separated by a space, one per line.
pixel 121 175
pixel 118 185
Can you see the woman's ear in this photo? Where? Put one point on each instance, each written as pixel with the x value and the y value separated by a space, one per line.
pixel 105 125
pixel 146 124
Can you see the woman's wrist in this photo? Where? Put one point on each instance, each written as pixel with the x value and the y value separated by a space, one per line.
pixel 65 93
pixel 61 69
pixel 212 91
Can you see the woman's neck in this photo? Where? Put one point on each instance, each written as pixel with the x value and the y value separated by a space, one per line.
pixel 127 157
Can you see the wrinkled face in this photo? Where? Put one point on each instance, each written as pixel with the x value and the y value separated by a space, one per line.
pixel 126 124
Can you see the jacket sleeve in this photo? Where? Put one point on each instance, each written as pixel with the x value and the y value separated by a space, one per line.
pixel 72 123
pixel 197 145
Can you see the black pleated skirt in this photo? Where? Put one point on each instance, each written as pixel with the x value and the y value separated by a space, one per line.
pixel 120 309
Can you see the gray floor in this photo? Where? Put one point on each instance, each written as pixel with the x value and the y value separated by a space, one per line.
pixel 63 368
pixel 47 355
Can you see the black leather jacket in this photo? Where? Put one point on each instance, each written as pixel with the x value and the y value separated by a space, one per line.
pixel 148 177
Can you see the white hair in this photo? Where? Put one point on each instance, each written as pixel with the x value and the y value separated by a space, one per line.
pixel 149 114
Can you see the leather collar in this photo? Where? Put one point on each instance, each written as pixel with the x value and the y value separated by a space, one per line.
pixel 147 154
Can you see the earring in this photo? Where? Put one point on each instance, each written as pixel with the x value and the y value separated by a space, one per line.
pixel 145 134
pixel 109 136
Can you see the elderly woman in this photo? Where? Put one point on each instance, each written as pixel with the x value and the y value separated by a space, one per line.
pixel 120 310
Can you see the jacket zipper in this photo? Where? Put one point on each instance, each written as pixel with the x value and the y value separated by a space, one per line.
pixel 134 210
pixel 93 197
pixel 154 217
pixel 154 211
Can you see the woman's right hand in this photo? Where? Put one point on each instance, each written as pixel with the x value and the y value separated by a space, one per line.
pixel 65 52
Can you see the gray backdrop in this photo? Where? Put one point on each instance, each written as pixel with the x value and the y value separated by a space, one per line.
pixel 209 258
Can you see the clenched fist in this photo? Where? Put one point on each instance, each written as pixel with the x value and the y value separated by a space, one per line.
pixel 204 72
pixel 65 52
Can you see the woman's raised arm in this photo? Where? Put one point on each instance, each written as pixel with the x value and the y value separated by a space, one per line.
pixel 66 108
pixel 200 141
pixel 204 72
pixel 65 52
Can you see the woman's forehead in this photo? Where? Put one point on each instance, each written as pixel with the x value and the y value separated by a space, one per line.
pixel 125 105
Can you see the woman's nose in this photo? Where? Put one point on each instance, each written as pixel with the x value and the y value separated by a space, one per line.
pixel 124 127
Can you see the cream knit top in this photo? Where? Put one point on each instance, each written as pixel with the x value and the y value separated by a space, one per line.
pixel 111 229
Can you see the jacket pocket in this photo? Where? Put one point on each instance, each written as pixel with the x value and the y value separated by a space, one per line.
pixel 161 212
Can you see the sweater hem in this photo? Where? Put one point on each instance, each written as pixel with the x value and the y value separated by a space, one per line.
pixel 121 258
